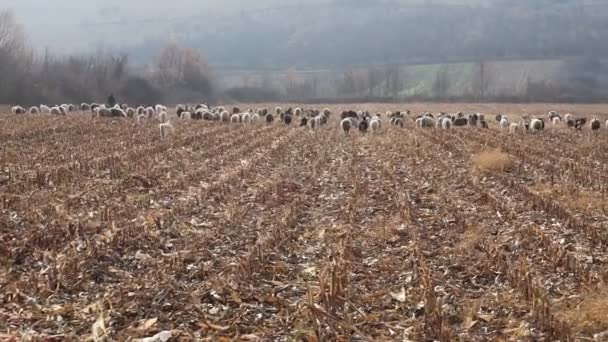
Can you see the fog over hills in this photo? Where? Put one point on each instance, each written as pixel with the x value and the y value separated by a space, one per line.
pixel 325 33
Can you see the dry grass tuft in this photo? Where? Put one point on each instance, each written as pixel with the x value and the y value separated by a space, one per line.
pixel 493 160
pixel 589 316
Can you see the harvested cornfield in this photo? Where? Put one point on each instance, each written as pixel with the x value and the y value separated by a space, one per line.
pixel 272 232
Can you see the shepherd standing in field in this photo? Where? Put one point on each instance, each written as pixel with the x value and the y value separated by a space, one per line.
pixel 111 100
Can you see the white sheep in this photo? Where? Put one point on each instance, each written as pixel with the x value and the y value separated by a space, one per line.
pixel 246 117
pixel 425 122
pixel 446 123
pixel 235 118
pixel 375 123
pixel 569 118
pixel 160 108
pixel 141 118
pixel 278 111
pixel 33 110
pixel 141 110
pixel 162 117
pixel 346 125
pixel 514 128
pixel 85 107
pixel 185 116
pixel 150 111
pixel 56 111
pixel 255 118
pixel 504 122
pixel 297 111
pixel 45 109
pixel 130 112
pixel 224 116
pixel 18 110
pixel 556 120
pixel 537 125
pixel 166 128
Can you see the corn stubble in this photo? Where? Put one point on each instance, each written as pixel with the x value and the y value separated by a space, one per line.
pixel 249 233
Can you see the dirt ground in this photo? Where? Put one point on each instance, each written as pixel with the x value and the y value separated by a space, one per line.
pixel 268 232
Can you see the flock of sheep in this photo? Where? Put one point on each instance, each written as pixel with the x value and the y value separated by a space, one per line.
pixel 311 118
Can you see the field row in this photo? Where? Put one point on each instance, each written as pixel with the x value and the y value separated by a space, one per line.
pixel 280 233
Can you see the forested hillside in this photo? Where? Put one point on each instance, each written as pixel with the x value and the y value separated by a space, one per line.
pixel 324 33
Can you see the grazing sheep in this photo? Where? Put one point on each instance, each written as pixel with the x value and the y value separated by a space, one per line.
pixel 513 128
pixel 130 112
pixel 118 113
pixel 18 110
pixel 363 125
pixel 569 118
pixel 446 123
pixel 537 125
pixel 579 123
pixel 397 118
pixel 460 122
pixel 556 120
pixel 346 125
pixel 553 114
pixel 235 118
pixel 56 111
pixel 141 110
pixel 45 109
pixel 33 110
pixel 595 124
pixel 313 124
pixel 269 118
pixel 208 116
pixel 85 107
pixel 498 118
pixel 375 123
pixel 287 118
pixel 473 119
pixel 151 112
pixel 255 118
pixel 94 106
pixel 162 117
pixel 326 112
pixel 246 117
pixel 71 108
pixel 141 118
pixel 166 128
pixel 186 116
pixel 235 110
pixel 427 122
pixel 349 114
pixel 297 111
pixel 224 116
pixel 160 108
pixel 278 111
pixel 304 121
pixel 504 123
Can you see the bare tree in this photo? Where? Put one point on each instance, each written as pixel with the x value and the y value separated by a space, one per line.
pixel 441 84
pixel 12 38
pixel 481 80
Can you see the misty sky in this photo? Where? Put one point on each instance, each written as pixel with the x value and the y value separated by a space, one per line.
pixel 73 25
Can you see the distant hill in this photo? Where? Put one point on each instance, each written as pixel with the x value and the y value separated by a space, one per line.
pixel 323 33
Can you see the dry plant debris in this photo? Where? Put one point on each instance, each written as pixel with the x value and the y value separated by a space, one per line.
pixel 225 233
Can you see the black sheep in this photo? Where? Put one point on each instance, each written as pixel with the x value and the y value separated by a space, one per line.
pixel 363 125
